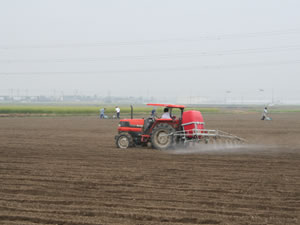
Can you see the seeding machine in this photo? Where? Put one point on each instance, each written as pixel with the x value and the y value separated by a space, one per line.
pixel 166 133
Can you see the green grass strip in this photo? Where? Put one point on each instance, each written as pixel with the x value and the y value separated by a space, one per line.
pixel 83 110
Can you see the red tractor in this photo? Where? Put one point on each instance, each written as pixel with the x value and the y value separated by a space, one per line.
pixel 164 133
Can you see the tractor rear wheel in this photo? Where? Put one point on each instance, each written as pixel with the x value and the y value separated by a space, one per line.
pixel 162 136
pixel 124 140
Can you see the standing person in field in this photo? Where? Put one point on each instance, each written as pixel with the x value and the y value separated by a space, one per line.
pixel 118 112
pixel 102 113
pixel 265 114
pixel 153 112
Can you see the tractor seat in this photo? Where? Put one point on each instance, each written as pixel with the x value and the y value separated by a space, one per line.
pixel 148 123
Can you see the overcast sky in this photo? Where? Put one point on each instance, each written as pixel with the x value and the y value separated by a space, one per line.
pixel 151 47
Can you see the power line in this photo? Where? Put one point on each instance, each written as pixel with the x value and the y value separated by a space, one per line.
pixel 158 41
pixel 190 68
pixel 159 56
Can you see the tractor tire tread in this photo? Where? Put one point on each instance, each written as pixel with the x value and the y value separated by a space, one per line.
pixel 129 137
pixel 163 126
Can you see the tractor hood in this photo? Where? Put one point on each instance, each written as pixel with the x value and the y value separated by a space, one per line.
pixel 131 125
pixel 132 122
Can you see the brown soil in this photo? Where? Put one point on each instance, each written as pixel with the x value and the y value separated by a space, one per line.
pixel 67 170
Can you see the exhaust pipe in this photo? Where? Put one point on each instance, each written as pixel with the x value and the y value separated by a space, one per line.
pixel 131 111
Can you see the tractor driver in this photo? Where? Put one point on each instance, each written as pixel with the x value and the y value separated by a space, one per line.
pixel 166 114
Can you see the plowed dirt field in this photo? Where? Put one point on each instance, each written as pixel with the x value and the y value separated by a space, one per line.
pixel 67 171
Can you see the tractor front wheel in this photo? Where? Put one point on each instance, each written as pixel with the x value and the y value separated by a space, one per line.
pixel 124 140
pixel 162 136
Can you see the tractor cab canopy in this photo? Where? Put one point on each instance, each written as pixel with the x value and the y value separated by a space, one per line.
pixel 167 105
pixel 172 109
